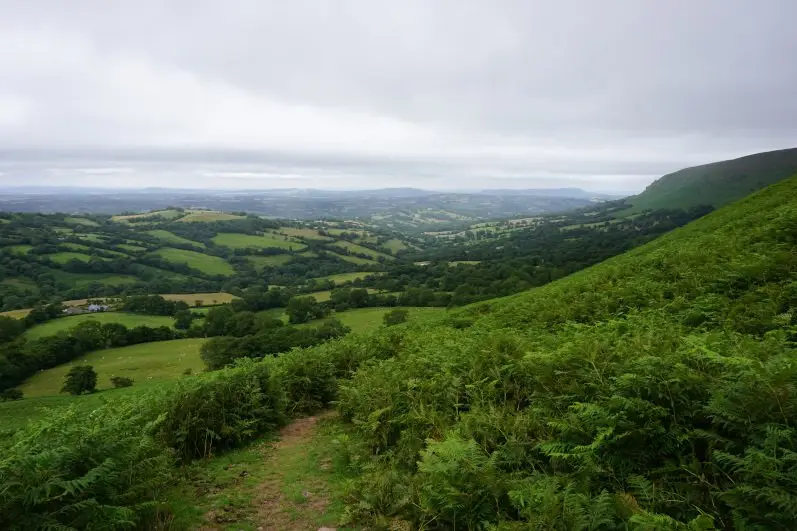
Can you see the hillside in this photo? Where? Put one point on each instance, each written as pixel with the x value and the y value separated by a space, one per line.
pixel 718 183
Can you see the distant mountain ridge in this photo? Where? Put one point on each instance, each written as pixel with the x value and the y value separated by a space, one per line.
pixel 717 183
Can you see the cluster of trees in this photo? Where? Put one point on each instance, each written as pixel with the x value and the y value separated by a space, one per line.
pixel 20 359
pixel 220 352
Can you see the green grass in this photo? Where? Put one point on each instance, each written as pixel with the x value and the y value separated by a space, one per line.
pixel 359 249
pixel 369 319
pixel 170 237
pixel 342 278
pixel 167 214
pixel 147 362
pixel 248 241
pixel 210 265
pixel 82 221
pixel 66 256
pixel 276 260
pixel 19 249
pixel 355 259
pixel 209 216
pixel 84 279
pixel 465 262
pixel 96 238
pixel 308 234
pixel 132 248
pixel 16 314
pixel 395 245
pixel 130 320
pixel 717 183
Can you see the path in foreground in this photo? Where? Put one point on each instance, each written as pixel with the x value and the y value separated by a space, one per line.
pixel 282 485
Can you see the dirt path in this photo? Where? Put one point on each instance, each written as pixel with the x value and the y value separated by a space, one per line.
pixel 295 494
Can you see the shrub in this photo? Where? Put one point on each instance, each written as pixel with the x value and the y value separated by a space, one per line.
pixel 221 410
pixel 121 381
pixel 11 394
pixel 394 317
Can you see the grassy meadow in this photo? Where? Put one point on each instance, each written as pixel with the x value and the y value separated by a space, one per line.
pixel 208 264
pixel 130 320
pixel 147 362
pixel 248 241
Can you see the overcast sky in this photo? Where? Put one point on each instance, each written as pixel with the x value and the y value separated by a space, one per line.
pixel 605 95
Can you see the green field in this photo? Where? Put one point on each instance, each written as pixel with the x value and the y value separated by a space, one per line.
pixel 19 249
pixel 133 248
pixel 359 249
pixel 248 241
pixel 356 259
pixel 97 238
pixel 209 216
pixel 82 221
pixel 369 319
pixel 66 256
pixel 83 279
pixel 342 278
pixel 130 320
pixel 167 214
pixel 309 234
pixel 269 261
pixel 210 265
pixel 147 362
pixel 395 245
pixel 170 237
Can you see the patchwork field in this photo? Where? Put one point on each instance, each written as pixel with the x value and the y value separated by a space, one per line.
pixel 355 259
pixel 170 237
pixel 341 278
pixel 19 249
pixel 208 216
pixel 210 265
pixel 82 221
pixel 63 324
pixel 208 299
pixel 82 279
pixel 309 234
pixel 166 214
pixel 66 256
pixel 147 362
pixel 276 260
pixel 359 249
pixel 248 241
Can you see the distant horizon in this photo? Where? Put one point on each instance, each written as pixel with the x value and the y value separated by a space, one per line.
pixel 88 188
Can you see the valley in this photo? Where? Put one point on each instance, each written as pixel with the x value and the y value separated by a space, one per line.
pixel 546 367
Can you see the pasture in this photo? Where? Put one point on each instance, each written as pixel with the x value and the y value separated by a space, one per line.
pixel 170 237
pixel 359 249
pixel 144 363
pixel 199 216
pixel 342 278
pixel 207 299
pixel 260 262
pixel 63 324
pixel 208 264
pixel 249 241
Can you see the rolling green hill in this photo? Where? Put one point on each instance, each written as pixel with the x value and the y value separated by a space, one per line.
pixel 718 183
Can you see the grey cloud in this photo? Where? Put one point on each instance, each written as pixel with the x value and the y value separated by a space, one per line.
pixel 607 95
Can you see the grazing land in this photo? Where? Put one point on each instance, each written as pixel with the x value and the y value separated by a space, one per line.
pixel 247 241
pixel 130 320
pixel 208 264
pixel 144 363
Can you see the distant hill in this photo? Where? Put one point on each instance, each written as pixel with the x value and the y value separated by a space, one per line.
pixel 717 183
